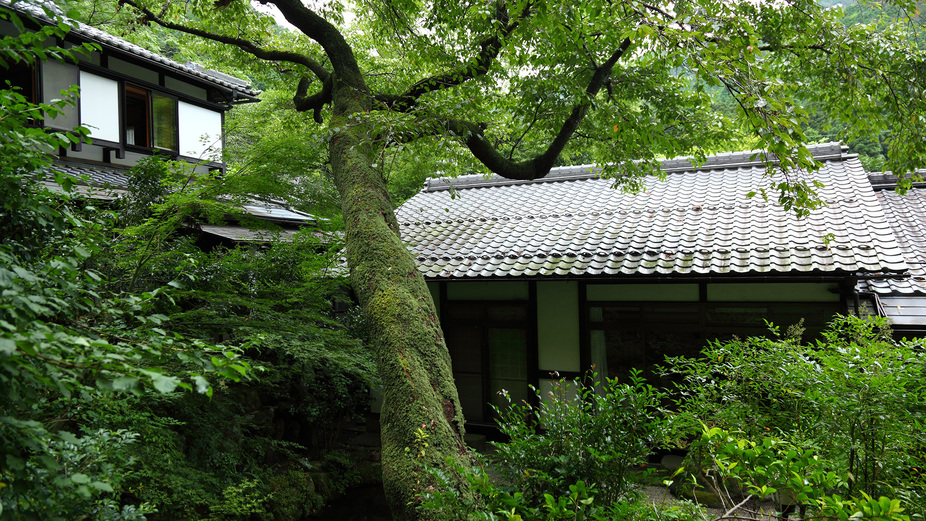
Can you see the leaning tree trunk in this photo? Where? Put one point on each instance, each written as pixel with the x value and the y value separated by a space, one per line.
pixel 421 421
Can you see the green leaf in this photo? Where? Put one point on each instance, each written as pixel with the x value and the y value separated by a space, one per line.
pixel 7 346
pixel 202 385
pixel 80 478
pixel 68 437
pixel 164 383
pixel 101 486
pixel 125 383
pixel 15 462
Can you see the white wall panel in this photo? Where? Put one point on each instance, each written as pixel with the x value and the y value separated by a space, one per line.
pixel 57 76
pixel 99 106
pixel 195 123
pixel 558 326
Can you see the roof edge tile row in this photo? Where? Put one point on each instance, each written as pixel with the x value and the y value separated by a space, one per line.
pixel 726 160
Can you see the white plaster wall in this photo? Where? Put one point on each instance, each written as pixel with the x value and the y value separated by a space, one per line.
pixel 558 326
pixel 779 292
pixel 195 123
pixel 99 106
pixel 90 152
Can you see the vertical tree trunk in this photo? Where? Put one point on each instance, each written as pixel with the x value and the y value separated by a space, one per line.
pixel 422 423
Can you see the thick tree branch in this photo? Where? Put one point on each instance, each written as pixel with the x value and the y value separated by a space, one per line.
pixel 482 149
pixel 245 45
pixel 315 102
pixel 339 52
pixel 489 49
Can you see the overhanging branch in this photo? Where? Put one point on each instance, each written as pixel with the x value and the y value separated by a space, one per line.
pixel 489 49
pixel 245 45
pixel 339 52
pixel 474 138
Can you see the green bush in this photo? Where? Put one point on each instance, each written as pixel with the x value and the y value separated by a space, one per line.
pixel 578 502
pixel 65 340
pixel 85 472
pixel 242 502
pixel 855 397
pixel 772 467
pixel 573 456
pixel 272 299
pixel 294 496
pixel 592 433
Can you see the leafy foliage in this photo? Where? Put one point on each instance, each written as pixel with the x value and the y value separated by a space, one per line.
pixel 794 474
pixel 595 433
pixel 61 336
pixel 802 394
pixel 77 325
pixel 253 446
pixel 577 502
pixel 574 456
pixel 519 84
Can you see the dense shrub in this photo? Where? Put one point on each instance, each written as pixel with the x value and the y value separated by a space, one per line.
pixel 66 342
pixel 575 455
pixel 855 397
pixel 237 454
pixel 795 476
pixel 833 427
pixel 595 433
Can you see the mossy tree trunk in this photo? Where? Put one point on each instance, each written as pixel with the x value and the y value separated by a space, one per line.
pixel 422 423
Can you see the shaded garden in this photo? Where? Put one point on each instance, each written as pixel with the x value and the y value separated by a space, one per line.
pixel 831 429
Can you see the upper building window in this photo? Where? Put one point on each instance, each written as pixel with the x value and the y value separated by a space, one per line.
pixel 151 119
pixel 21 77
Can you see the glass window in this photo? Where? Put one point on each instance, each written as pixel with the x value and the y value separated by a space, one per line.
pixel 624 336
pixel 56 77
pixel 151 119
pixel 165 128
pixel 739 315
pixel 136 116
pixel 507 366
pixel 487 341
pixel 21 77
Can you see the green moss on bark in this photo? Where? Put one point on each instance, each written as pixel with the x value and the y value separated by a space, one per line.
pixel 422 423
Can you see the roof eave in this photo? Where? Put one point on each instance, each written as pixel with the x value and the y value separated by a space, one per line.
pixel 816 276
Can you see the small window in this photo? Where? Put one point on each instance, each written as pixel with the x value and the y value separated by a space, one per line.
pixel 150 119
pixel 21 77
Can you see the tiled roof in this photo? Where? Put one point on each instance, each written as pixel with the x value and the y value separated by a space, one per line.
pixel 118 178
pixel 240 234
pixel 907 217
pixel 278 213
pixel 696 222
pixel 35 10
pixel 94 175
pixel 109 183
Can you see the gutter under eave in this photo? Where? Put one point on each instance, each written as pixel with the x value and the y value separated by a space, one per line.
pixel 636 279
